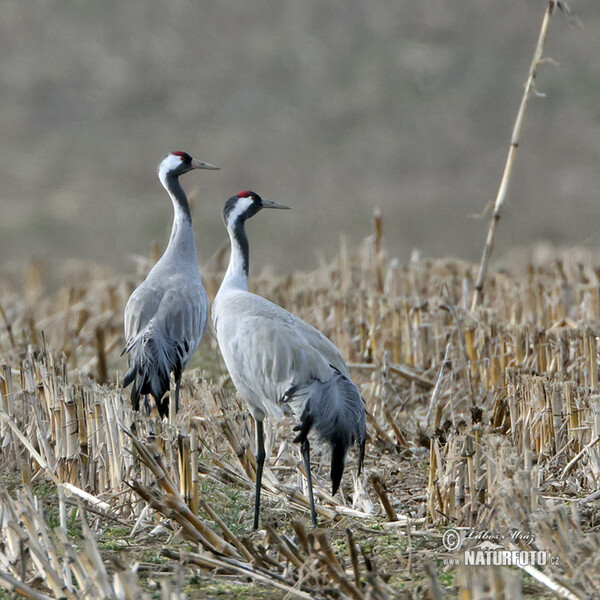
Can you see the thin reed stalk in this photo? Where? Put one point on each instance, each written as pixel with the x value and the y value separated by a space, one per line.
pixel 510 159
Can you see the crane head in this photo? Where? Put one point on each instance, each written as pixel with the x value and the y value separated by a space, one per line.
pixel 244 205
pixel 178 163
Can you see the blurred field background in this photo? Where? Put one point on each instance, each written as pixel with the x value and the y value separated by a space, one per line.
pixel 481 419
pixel 333 108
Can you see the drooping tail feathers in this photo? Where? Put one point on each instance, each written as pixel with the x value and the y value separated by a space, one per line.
pixel 152 358
pixel 337 412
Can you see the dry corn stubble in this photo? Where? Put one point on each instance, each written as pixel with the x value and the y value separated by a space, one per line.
pixel 525 457
pixel 504 399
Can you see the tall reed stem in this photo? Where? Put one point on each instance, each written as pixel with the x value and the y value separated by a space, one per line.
pixel 510 159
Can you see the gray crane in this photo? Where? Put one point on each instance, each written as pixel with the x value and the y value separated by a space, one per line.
pixel 281 364
pixel 166 315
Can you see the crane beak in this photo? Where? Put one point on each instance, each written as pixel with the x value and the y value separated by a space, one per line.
pixel 198 164
pixel 272 204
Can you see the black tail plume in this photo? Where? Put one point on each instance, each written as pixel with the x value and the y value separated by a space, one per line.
pixel 150 365
pixel 338 460
pixel 336 410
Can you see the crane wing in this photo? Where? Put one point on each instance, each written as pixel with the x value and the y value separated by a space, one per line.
pixel 182 315
pixel 141 307
pixel 178 310
pixel 268 350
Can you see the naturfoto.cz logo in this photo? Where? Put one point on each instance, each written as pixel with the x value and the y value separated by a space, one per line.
pixel 488 552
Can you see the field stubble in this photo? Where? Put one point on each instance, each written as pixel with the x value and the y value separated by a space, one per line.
pixel 479 421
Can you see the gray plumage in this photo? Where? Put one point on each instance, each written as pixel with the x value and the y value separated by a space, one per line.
pixel 281 364
pixel 165 317
pixel 278 362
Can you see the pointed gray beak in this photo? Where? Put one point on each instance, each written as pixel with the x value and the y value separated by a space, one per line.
pixel 272 204
pixel 198 164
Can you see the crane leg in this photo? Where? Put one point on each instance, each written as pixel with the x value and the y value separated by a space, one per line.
pixel 260 461
pixel 302 439
pixel 305 450
pixel 173 407
pixel 177 382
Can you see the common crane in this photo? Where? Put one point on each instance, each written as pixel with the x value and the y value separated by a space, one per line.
pixel 281 364
pixel 166 315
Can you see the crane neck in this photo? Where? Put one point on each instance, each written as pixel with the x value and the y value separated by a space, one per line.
pixel 236 275
pixel 181 242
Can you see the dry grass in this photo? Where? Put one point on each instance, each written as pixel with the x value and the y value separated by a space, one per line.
pixel 484 420
pixel 483 423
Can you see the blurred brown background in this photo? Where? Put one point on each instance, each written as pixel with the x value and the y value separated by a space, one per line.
pixel 331 107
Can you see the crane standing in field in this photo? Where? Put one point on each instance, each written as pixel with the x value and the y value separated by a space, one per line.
pixel 281 364
pixel 166 315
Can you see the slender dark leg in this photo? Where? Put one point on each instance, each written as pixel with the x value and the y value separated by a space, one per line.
pixel 260 461
pixel 302 438
pixel 177 383
pixel 305 449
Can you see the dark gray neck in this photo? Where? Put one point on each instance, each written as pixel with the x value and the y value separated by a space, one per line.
pixel 181 247
pixel 178 196
pixel 239 260
pixel 241 239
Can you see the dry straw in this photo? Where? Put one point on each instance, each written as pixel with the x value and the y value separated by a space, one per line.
pixel 512 150
pixel 525 457
pixel 485 421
